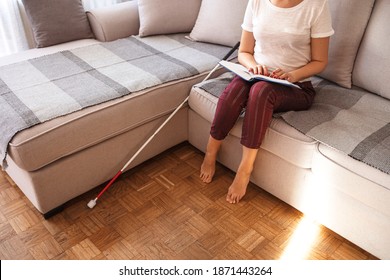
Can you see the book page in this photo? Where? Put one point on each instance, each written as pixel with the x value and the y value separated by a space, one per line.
pixel 246 75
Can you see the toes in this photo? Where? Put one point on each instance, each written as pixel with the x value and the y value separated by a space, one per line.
pixel 231 198
pixel 205 178
pixel 228 197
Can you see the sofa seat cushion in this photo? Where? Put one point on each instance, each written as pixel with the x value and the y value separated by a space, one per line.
pixel 354 178
pixel 281 139
pixel 166 86
pixel 40 145
pixel 357 167
pixel 33 53
pixel 353 121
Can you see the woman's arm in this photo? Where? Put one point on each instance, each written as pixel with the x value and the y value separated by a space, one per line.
pixel 319 60
pixel 245 54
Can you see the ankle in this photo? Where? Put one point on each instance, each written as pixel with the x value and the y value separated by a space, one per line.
pixel 211 155
pixel 245 170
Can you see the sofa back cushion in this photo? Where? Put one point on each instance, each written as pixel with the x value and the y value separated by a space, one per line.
pixel 219 22
pixel 372 67
pixel 114 22
pixel 349 20
pixel 167 16
pixel 57 21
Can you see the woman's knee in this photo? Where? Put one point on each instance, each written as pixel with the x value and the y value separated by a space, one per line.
pixel 235 94
pixel 262 92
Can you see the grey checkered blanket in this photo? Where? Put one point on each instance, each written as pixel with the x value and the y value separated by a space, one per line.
pixel 352 121
pixel 40 89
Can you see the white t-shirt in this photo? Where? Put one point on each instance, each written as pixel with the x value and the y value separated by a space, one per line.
pixel 283 34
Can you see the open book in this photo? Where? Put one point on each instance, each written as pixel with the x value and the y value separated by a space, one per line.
pixel 246 75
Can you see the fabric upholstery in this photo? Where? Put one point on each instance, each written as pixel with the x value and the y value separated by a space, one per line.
pixel 58 93
pixel 167 16
pixel 57 21
pixel 219 22
pixel 77 173
pixel 372 63
pixel 352 121
pixel 114 22
pixel 349 19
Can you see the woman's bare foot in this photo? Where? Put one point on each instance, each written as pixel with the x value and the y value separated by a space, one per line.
pixel 237 189
pixel 207 169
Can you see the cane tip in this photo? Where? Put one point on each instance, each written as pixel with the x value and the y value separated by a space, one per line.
pixel 92 203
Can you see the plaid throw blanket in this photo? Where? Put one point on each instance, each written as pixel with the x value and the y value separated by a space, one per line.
pixel 40 89
pixel 352 121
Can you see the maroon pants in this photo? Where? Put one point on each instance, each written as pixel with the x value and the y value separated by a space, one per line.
pixel 259 100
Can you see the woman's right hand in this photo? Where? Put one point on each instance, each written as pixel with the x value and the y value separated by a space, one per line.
pixel 259 69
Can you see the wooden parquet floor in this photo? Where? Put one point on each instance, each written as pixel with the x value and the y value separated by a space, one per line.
pixel 161 210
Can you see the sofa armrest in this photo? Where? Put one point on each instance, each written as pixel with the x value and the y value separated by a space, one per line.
pixel 114 22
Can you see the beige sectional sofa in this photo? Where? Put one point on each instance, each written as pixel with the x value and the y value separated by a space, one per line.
pixel 62 158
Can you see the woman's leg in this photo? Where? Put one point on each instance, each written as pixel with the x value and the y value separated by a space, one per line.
pixel 264 99
pixel 207 169
pixel 230 105
pixel 237 189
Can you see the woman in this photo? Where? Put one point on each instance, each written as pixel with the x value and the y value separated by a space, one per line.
pixel 285 39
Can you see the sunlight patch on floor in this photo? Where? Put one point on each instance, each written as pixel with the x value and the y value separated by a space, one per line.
pixel 313 201
pixel 301 242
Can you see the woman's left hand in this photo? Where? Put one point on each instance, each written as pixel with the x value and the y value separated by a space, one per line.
pixel 280 74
